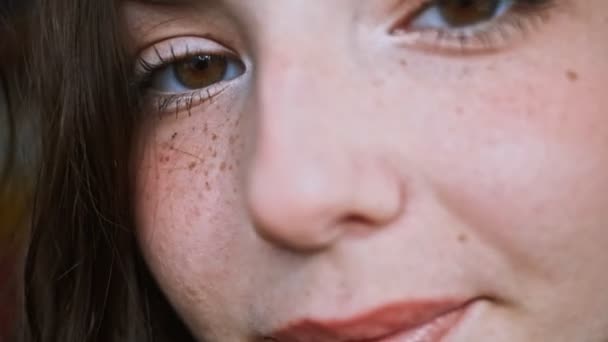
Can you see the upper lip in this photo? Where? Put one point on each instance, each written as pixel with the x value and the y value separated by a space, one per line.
pixel 370 325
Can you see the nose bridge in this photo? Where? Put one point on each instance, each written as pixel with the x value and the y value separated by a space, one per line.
pixel 297 112
pixel 301 96
pixel 305 183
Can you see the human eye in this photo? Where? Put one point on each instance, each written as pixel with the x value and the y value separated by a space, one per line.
pixel 469 25
pixel 183 73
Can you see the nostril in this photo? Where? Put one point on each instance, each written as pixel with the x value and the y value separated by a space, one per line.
pixel 304 215
pixel 358 220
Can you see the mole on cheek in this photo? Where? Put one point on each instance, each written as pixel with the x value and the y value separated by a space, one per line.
pixel 462 238
pixel 572 75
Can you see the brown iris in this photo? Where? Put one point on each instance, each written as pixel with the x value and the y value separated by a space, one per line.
pixel 201 71
pixel 461 13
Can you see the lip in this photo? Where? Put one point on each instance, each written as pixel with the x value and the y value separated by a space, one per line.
pixel 421 320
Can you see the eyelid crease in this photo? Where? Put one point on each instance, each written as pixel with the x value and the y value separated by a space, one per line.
pixel 176 49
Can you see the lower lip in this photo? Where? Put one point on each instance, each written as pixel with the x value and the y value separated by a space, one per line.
pixel 433 331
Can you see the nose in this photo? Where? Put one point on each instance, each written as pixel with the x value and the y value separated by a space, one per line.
pixel 315 177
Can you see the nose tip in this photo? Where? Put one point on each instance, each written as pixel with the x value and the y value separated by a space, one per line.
pixel 314 207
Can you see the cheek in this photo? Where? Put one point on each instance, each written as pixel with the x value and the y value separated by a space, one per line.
pixel 188 206
pixel 527 160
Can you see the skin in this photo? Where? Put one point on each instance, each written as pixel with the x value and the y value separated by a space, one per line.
pixel 349 168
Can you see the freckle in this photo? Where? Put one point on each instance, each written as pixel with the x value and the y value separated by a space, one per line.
pixel 193 128
pixel 206 173
pixel 403 62
pixel 462 237
pixel 206 128
pixel 572 75
pixel 214 137
pixel 232 139
pixel 223 166
pixel 214 154
pixel 192 165
pixel 230 168
pixel 207 186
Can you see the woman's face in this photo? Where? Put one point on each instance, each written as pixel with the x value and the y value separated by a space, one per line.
pixel 346 170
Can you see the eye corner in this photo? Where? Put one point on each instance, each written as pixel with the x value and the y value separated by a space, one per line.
pixel 400 25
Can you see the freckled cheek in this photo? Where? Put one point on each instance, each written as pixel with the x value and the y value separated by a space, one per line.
pixel 188 209
pixel 189 172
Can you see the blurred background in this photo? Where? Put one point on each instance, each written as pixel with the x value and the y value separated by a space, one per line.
pixel 16 160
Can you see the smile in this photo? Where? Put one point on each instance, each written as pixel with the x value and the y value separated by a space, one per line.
pixel 412 321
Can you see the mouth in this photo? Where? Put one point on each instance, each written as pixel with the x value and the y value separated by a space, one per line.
pixel 412 321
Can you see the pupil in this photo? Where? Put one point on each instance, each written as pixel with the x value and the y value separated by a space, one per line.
pixel 461 13
pixel 200 62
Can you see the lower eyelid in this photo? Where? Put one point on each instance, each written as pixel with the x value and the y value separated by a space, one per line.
pixel 175 103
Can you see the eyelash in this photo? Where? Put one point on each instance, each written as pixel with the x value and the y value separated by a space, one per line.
pixel 179 101
pixel 523 16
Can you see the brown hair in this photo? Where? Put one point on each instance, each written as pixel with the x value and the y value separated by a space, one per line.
pixel 85 279
pixel 15 162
